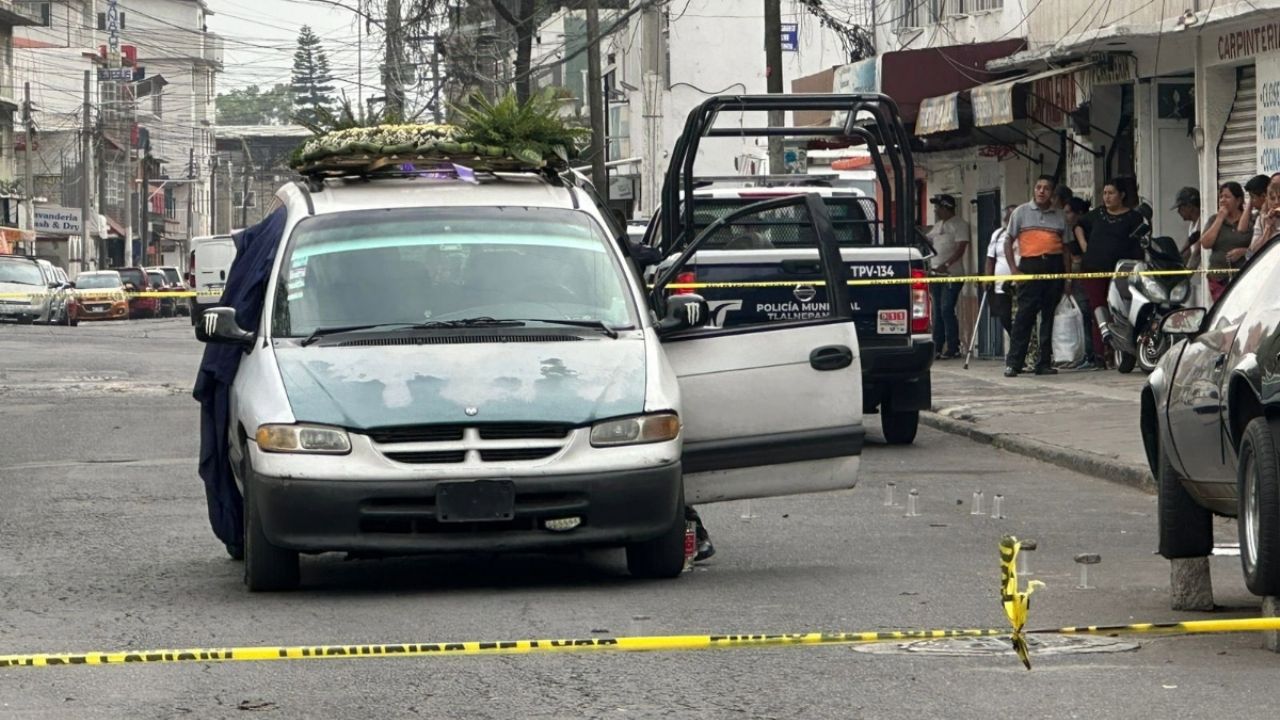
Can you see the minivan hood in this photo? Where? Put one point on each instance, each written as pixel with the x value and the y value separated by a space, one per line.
pixel 560 382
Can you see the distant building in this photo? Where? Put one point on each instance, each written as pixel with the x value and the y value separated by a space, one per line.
pixel 252 163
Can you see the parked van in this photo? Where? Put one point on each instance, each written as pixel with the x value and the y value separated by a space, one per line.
pixel 210 260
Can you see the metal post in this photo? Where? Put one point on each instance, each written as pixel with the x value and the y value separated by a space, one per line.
pixel 244 192
pixel 28 186
pixel 191 194
pixel 595 97
pixel 86 172
pixel 773 75
pixel 144 213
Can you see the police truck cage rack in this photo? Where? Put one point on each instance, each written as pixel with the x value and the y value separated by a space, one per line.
pixel 872 120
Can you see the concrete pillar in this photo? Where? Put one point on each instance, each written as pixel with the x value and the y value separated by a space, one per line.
pixel 1190 584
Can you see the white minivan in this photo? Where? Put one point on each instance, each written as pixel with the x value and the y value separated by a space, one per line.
pixel 211 257
pixel 458 365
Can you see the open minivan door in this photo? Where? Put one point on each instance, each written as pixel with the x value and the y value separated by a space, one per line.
pixel 772 407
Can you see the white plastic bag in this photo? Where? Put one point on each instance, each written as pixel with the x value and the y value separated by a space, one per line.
pixel 1068 332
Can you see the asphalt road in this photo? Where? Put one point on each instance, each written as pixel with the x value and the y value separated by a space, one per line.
pixel 104 545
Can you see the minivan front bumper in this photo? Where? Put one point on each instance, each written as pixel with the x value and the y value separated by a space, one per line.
pixel 399 516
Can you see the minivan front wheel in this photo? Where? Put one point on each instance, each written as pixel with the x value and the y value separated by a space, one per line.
pixel 1258 517
pixel 663 556
pixel 267 568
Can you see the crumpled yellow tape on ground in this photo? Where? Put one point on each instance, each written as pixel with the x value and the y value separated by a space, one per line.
pixel 1016 602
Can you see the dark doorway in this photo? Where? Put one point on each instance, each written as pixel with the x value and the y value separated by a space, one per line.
pixel 990 334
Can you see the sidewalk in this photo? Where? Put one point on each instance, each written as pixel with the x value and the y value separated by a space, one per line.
pixel 1084 420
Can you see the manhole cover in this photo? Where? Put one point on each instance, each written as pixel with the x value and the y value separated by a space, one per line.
pixel 972 647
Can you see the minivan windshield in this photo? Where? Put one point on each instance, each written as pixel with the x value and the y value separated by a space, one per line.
pixel 442 265
pixel 22 272
pixel 98 281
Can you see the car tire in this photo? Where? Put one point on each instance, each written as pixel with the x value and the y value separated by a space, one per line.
pixel 1184 527
pixel 1258 516
pixel 663 556
pixel 267 568
pixel 899 426
pixel 1124 361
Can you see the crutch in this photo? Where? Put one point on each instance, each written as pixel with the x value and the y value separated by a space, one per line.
pixel 973 337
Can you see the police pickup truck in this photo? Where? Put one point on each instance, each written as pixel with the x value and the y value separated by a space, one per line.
pixel 765 267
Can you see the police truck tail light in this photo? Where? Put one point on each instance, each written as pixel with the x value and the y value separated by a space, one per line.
pixel 191 270
pixel 685 278
pixel 920 310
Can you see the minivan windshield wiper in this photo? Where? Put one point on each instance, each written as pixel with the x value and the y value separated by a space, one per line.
pixel 591 324
pixel 476 322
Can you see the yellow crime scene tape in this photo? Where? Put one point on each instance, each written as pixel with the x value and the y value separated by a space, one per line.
pixel 1016 605
pixel 861 282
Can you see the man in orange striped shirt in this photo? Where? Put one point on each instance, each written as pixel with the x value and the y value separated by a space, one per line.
pixel 1036 232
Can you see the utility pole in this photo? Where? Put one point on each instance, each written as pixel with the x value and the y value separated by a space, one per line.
pixel 595 97
pixel 244 192
pixel 191 194
pixel 773 74
pixel 437 87
pixel 651 107
pixel 393 67
pixel 144 215
pixel 86 172
pixel 28 184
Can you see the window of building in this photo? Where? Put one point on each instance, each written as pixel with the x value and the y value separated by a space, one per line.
pixel 46 14
pixel 157 103
pixel 170 203
pixel 238 199
pixel 102 21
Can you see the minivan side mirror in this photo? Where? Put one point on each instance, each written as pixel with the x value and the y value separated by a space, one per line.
pixel 218 325
pixel 685 312
pixel 1187 321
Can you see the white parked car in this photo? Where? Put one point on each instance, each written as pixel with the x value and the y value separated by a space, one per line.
pixel 207 268
pixel 450 366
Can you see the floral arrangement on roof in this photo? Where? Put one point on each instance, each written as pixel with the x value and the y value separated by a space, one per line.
pixel 505 134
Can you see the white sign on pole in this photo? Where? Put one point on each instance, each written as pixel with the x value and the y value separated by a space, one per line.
pixel 53 220
pixel 1268 89
pixel 1080 168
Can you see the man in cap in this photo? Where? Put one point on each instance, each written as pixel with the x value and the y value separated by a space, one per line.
pixel 950 239
pixel 1187 205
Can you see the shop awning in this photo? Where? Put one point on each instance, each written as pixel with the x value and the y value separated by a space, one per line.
pixel 1050 96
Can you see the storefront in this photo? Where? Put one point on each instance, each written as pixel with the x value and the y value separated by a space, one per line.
pixel 1239 101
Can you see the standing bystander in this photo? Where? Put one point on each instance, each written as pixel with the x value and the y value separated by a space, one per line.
pixel 1226 243
pixel 950 239
pixel 1106 237
pixel 1036 231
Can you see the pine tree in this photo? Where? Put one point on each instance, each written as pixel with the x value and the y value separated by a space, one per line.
pixel 312 84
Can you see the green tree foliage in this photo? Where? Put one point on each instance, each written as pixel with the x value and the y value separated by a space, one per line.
pixel 253 106
pixel 312 80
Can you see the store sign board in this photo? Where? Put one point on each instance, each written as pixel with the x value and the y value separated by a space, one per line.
pixel 1268 123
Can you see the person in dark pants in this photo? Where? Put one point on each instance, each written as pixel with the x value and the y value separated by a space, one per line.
pixel 950 240
pixel 1036 232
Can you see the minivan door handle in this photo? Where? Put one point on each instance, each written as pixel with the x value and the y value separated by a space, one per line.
pixel 802 267
pixel 222 274
pixel 831 357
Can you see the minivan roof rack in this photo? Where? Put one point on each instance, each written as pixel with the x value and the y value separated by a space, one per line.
pixel 871 118
pixel 420 166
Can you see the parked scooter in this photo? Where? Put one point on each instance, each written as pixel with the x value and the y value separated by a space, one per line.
pixel 1137 303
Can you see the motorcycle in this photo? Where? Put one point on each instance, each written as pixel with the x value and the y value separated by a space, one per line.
pixel 1136 304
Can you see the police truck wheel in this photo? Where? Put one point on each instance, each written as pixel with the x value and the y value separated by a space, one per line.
pixel 899 426
pixel 1258 519
pixel 267 568
pixel 661 557
pixel 1185 528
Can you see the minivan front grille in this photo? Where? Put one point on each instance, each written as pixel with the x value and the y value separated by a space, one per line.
pixel 443 457
pixel 480 443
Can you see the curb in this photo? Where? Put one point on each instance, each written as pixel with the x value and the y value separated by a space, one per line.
pixel 1081 461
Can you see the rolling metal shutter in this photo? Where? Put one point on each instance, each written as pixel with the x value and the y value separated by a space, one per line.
pixel 1237 151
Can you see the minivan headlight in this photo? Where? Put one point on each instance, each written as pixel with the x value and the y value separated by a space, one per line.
pixel 639 430
pixel 303 439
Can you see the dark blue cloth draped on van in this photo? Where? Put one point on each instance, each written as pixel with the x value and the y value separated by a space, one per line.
pixel 245 291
